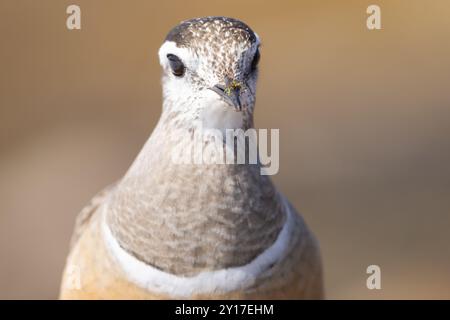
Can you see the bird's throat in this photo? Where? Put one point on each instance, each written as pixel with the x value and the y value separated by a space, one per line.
pixel 187 218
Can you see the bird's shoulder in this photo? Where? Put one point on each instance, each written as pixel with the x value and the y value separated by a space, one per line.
pixel 304 261
pixel 84 217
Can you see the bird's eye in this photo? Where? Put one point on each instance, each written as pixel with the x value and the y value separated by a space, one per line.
pixel 176 65
pixel 256 58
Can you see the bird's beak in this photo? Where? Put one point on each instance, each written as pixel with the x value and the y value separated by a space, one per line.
pixel 230 94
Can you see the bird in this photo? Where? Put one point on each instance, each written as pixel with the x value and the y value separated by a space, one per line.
pixel 184 230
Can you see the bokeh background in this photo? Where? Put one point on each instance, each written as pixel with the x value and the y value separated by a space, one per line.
pixel 364 120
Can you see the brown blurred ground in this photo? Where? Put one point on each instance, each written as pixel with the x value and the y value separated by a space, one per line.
pixel 364 118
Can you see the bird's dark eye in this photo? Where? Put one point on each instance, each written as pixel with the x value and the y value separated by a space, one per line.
pixel 176 65
pixel 256 58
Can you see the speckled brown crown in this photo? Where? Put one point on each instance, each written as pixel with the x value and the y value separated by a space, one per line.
pixel 210 29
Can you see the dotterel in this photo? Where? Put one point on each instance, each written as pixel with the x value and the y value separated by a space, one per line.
pixel 171 230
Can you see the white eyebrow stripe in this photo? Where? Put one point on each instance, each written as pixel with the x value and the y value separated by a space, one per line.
pixel 186 55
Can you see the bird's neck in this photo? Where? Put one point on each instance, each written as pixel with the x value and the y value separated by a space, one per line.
pixel 185 217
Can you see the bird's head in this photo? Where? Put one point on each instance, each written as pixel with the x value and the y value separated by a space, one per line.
pixel 210 69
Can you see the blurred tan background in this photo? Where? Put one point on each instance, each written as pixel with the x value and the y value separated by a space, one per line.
pixel 364 120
